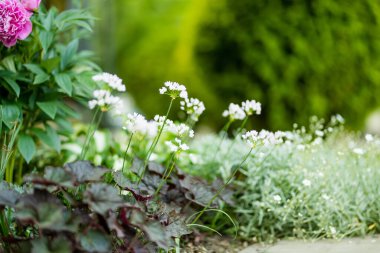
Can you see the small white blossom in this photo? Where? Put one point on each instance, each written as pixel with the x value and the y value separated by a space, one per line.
pixel 104 99
pixel 234 112
pixel 176 145
pixel 251 107
pixel 193 107
pixel 180 130
pixel 333 230
pixel 113 81
pixel 251 137
pixel 277 198
pixel 369 137
pixel 136 123
pixel 174 90
pixel 306 182
pixel 358 151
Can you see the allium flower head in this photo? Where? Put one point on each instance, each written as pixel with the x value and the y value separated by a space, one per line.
pixel 174 90
pixel 176 145
pixel 113 81
pixel 234 112
pixel 104 99
pixel 136 123
pixel 179 130
pixel 193 107
pixel 15 22
pixel 263 137
pixel 251 107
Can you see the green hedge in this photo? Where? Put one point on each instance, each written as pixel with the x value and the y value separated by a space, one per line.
pixel 299 58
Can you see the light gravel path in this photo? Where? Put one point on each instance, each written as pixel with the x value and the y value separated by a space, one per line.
pixel 350 245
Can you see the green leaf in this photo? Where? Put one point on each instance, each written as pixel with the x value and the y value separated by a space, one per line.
pixel 64 81
pixel 12 83
pixel 50 64
pixel 41 75
pixel 11 113
pixel 46 38
pixel 68 53
pixel 49 137
pixel 41 78
pixel 26 147
pixel 9 63
pixel 35 69
pixel 48 107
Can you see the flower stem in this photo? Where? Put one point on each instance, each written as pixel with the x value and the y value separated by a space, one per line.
pixel 224 135
pixel 165 176
pixel 126 151
pixel 154 143
pixel 223 187
pixel 91 131
pixel 237 134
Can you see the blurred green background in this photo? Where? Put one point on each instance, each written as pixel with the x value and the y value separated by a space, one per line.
pixel 298 57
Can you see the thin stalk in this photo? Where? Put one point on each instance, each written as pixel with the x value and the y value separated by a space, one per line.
pixel 126 151
pixel 9 169
pixel 223 187
pixel 154 143
pixel 7 150
pixel 224 135
pixel 90 134
pixel 165 177
pixel 19 171
pixel 237 134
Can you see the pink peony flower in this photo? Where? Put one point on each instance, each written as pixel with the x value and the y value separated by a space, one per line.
pixel 31 5
pixel 15 22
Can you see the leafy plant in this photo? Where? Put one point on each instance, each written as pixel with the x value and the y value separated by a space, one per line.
pixel 38 76
pixel 71 208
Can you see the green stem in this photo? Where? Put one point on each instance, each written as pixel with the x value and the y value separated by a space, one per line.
pixel 91 131
pixel 19 171
pixel 126 151
pixel 223 187
pixel 237 134
pixel 165 177
pixel 154 143
pixel 224 135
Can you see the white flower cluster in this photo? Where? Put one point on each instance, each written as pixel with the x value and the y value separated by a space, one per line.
pixel 193 107
pixel 265 138
pixel 234 112
pixel 180 130
pixel 136 123
pixel 251 107
pixel 113 81
pixel 174 90
pixel 104 99
pixel 177 145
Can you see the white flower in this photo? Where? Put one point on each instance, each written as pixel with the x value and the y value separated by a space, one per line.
pixel 118 164
pixel 174 90
pixel 333 230
pixel 234 112
pixel 251 138
pixel 251 107
pixel 369 137
pixel 176 145
pixel 306 182
pixel 136 123
pixel 277 198
pixel 319 133
pixel 113 81
pixel 180 130
pixel 358 151
pixel 193 107
pixel 104 99
pixel 325 197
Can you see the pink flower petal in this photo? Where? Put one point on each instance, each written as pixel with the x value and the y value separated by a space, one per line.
pixel 27 29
